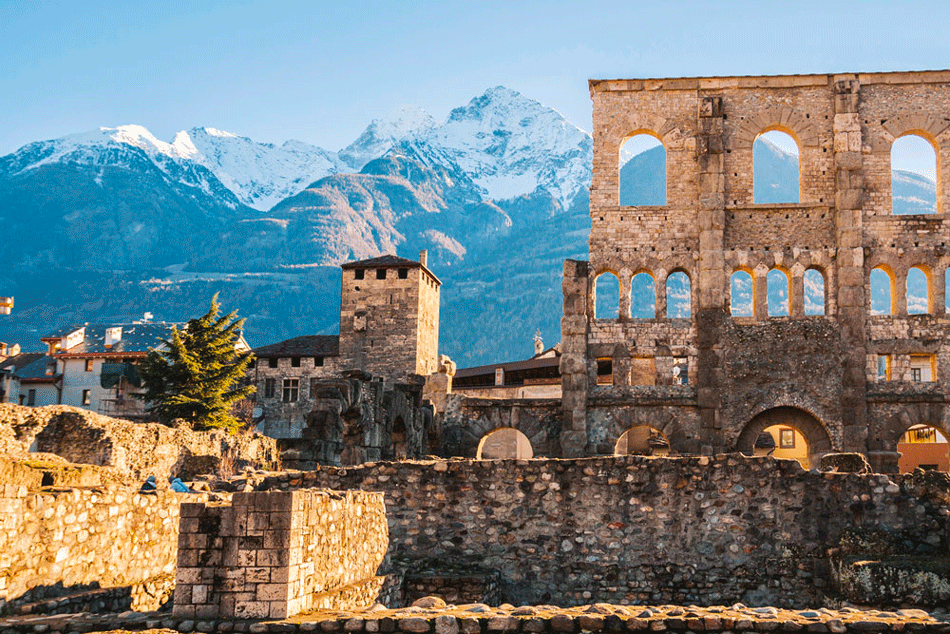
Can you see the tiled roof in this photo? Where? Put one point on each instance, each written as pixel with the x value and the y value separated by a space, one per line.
pixel 136 338
pixel 383 260
pixel 37 369
pixel 305 346
pixel 511 366
pixel 16 363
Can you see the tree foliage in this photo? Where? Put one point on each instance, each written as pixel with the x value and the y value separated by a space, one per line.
pixel 198 374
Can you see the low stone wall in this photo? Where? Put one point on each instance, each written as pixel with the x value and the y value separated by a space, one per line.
pixel 690 530
pixel 135 450
pixel 61 541
pixel 275 554
pixel 437 618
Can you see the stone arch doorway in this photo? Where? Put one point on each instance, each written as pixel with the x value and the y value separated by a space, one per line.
pixel 642 440
pixel 504 443
pixel 809 429
pixel 890 451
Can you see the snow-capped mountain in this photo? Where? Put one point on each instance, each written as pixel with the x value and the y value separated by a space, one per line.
pixel 382 134
pixel 511 146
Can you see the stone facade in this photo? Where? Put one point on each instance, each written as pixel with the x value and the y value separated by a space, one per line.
pixel 389 317
pixel 276 554
pixel 644 530
pixel 817 374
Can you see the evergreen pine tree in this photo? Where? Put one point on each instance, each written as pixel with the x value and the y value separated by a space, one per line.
pixel 198 376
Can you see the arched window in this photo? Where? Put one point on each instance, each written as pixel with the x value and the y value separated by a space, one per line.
pixel 775 168
pixel 504 443
pixel 814 296
pixel 642 171
pixel 918 292
pixel 642 440
pixel 777 287
pixel 606 296
pixel 678 296
pixel 740 295
pixel 913 176
pixel 882 292
pixel 642 297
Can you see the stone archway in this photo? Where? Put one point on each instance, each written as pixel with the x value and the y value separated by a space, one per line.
pixel 882 445
pixel 817 437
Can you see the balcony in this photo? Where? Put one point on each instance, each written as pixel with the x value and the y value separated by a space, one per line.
pixel 122 407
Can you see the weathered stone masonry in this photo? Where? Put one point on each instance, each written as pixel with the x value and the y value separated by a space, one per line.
pixel 642 530
pixel 816 373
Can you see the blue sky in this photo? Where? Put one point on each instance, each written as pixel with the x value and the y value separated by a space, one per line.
pixel 320 71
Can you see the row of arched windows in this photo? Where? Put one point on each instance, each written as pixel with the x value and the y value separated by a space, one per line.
pixel 642 296
pixel 775 171
pixel 918 296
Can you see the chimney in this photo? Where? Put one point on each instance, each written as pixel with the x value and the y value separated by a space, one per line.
pixel 424 258
pixel 113 336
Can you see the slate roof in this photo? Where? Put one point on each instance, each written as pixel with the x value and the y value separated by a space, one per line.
pixel 383 260
pixel 511 366
pixel 136 338
pixel 305 346
pixel 29 365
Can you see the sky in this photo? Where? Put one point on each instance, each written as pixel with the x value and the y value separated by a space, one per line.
pixel 320 71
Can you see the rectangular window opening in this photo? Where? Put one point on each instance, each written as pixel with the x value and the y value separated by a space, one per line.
pixel 787 439
pixel 291 391
pixel 403 274
pixel 295 362
pixel 269 387
pixel 314 386
pixel 380 274
pixel 272 362
pixel 359 274
pixel 680 371
pixel 605 371
pixel 31 398
pixel 86 397
pixel 318 362
pixel 88 365
pixel 922 368
pixel 883 367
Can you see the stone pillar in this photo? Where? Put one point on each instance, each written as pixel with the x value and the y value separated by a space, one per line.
pixel 852 276
pixel 938 290
pixel 274 554
pixel 712 279
pixel 573 363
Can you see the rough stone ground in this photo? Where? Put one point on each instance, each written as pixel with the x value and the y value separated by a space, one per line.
pixel 431 616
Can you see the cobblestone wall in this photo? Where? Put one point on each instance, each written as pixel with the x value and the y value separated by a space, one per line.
pixel 56 540
pixel 642 530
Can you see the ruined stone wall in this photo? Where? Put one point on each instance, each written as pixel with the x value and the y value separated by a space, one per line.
pixel 389 327
pixel 276 554
pixel 55 541
pixel 711 227
pixel 356 419
pixel 643 530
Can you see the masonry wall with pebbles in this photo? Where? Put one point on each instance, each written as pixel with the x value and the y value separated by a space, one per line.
pixel 56 540
pixel 642 530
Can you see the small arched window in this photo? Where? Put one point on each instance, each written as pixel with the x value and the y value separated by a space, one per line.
pixel 775 168
pixel 642 297
pixel 918 292
pixel 740 295
pixel 642 171
pixel 606 296
pixel 678 296
pixel 913 176
pixel 814 294
pixel 882 292
pixel 777 287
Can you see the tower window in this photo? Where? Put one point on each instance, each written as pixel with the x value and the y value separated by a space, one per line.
pixel 403 274
pixel 380 274
pixel 272 362
pixel 295 362
pixel 359 274
pixel 318 362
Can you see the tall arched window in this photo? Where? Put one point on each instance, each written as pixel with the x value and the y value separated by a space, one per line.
pixel 814 295
pixel 678 296
pixel 913 176
pixel 642 297
pixel 777 281
pixel 642 171
pixel 882 292
pixel 606 296
pixel 918 292
pixel 740 294
pixel 775 168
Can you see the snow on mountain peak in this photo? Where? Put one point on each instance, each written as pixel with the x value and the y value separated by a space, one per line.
pixel 381 134
pixel 511 145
